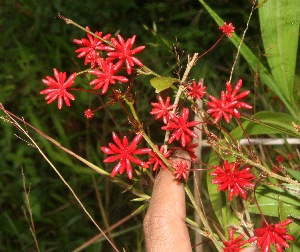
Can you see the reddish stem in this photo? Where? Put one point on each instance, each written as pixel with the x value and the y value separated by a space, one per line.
pixel 214 45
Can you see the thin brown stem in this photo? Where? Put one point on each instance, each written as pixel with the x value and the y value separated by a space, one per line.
pixel 242 40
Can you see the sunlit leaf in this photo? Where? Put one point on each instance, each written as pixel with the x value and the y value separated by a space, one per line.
pixel 267 122
pixel 279 23
pixel 268 197
pixel 162 83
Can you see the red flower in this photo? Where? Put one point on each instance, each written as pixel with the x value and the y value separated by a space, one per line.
pixel 230 178
pixel 90 46
pixel 221 108
pixel 180 127
pixel 274 234
pixel 196 90
pixel 229 103
pixel 156 160
pixel 124 152
pixel 227 29
pixel 57 89
pixel 88 114
pixel 106 76
pixel 123 52
pixel 232 96
pixel 280 159
pixel 162 109
pixel 180 170
pixel 234 244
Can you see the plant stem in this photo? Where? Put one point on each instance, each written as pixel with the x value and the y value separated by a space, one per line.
pixel 241 42
pixel 146 137
pixel 69 21
pixel 86 162
pixel 190 64
pixel 203 218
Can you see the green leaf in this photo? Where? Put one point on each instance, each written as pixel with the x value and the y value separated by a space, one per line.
pixel 267 122
pixel 279 22
pixel 268 200
pixel 294 173
pixel 162 83
pixel 282 213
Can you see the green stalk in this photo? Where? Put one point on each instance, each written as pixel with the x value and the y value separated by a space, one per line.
pixel 203 218
pixel 86 162
pixel 146 137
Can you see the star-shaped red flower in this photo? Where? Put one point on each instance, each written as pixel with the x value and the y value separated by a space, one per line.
pixel 156 160
pixel 162 109
pixel 106 76
pixel 272 234
pixel 229 103
pixel 90 47
pixel 280 159
pixel 123 52
pixel 181 168
pixel 179 126
pixel 234 244
pixel 232 96
pixel 88 113
pixel 123 151
pixel 230 178
pixel 196 90
pixel 57 89
pixel 220 108
pixel 227 29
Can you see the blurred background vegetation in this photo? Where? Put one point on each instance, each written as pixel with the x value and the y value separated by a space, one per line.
pixel 34 41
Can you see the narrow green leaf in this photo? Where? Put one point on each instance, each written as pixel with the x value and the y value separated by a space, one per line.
pixel 267 122
pixel 279 22
pixel 162 83
pixel 294 173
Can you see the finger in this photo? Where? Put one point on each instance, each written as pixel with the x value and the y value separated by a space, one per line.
pixel 251 249
pixel 164 223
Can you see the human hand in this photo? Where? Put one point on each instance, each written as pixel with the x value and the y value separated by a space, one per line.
pixel 164 224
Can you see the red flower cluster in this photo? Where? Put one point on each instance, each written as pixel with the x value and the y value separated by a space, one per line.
pixel 180 170
pixel 280 159
pixel 162 109
pixel 229 103
pixel 94 49
pixel 90 47
pixel 179 125
pixel 234 244
pixel 227 29
pixel 88 114
pixel 124 153
pixel 106 75
pixel 196 90
pixel 272 234
pixel 230 178
pixel 122 52
pixel 57 89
